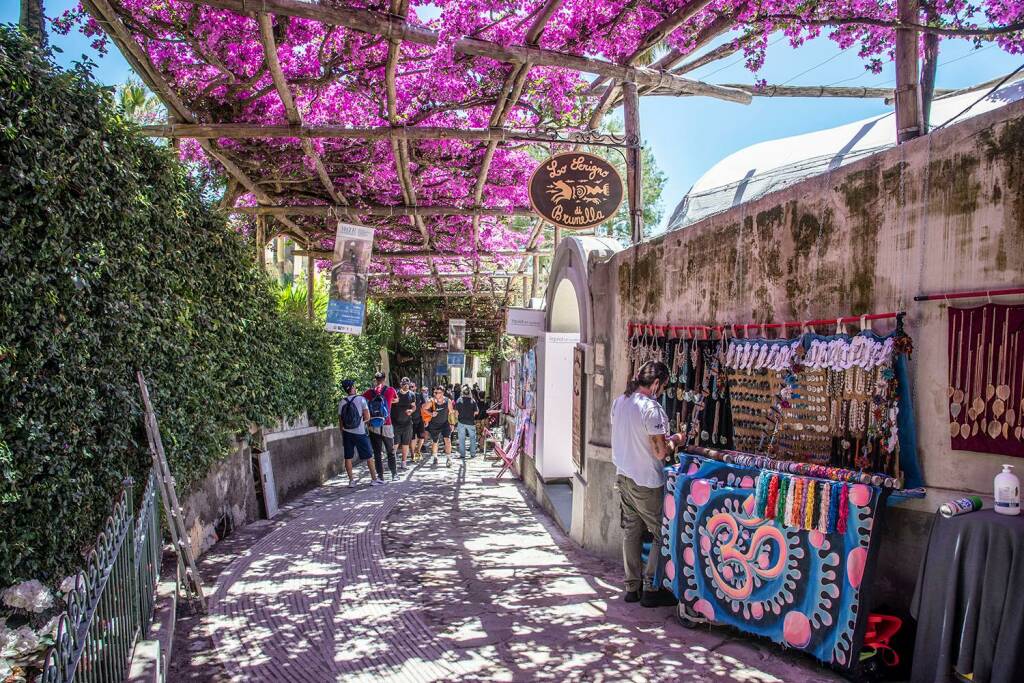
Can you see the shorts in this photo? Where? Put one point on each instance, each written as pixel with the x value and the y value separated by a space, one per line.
pixel 356 442
pixel 403 434
pixel 419 430
pixel 438 433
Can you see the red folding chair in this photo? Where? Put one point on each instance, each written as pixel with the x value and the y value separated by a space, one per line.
pixel 509 452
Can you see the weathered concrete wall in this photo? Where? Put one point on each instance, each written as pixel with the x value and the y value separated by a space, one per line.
pixel 302 457
pixel 941 213
pixel 226 499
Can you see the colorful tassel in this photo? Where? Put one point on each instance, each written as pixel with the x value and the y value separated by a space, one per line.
pixel 773 497
pixel 823 508
pixel 809 505
pixel 796 512
pixel 761 495
pixel 785 500
pixel 833 507
pixel 844 506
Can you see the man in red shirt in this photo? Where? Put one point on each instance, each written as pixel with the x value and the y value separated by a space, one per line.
pixel 382 437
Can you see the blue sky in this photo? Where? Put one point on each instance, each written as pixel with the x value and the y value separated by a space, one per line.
pixel 691 134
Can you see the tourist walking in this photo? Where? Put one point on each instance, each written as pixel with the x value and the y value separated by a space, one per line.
pixel 640 445
pixel 380 400
pixel 466 408
pixel 402 420
pixel 353 414
pixel 437 415
pixel 481 419
pixel 419 430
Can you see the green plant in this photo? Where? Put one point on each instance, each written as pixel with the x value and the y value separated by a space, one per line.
pixel 111 260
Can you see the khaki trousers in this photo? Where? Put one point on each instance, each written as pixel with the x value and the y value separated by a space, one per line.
pixel 640 511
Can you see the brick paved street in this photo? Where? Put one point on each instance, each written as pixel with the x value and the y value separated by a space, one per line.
pixel 448 575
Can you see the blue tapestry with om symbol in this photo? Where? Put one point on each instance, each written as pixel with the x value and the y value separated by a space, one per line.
pixel 802 589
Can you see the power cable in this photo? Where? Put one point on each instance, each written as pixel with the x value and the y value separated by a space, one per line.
pixel 995 87
pixel 816 66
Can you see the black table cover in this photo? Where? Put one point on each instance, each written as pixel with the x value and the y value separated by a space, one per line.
pixel 969 600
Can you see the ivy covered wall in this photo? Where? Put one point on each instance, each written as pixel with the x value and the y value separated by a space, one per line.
pixel 111 260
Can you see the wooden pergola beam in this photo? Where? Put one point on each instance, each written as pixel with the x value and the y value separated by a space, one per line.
pixel 324 210
pixel 323 254
pixel 394 28
pixel 443 276
pixel 425 294
pixel 800 91
pixel 269 45
pixel 238 131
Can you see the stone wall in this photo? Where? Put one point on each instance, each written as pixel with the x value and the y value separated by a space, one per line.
pixel 226 499
pixel 941 213
pixel 304 459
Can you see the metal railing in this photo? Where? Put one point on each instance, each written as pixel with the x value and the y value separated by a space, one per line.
pixel 111 605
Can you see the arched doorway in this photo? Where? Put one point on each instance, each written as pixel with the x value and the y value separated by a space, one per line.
pixel 562 359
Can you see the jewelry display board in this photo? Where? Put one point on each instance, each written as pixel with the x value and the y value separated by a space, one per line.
pixel 839 400
pixel 986 379
pixel 783 550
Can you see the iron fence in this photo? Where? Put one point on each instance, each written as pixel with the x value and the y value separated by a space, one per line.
pixel 111 606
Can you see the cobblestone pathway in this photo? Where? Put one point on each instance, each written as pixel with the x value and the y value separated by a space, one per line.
pixel 450 576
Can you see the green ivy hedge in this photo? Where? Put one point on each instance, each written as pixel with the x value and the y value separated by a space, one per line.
pixel 111 259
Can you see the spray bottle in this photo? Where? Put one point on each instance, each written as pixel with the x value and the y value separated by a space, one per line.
pixel 1007 492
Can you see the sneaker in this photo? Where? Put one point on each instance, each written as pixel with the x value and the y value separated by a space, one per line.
pixel 351 483
pixel 435 461
pixel 377 482
pixel 632 596
pixel 401 468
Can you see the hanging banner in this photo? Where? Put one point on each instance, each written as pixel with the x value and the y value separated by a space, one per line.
pixel 457 341
pixel 576 190
pixel 346 308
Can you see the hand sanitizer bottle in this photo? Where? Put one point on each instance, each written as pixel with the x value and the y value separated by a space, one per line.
pixel 1007 492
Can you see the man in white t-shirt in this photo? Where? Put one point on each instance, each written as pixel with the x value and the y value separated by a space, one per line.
pixel 640 444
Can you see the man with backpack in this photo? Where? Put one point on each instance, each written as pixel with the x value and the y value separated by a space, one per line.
pixel 353 415
pixel 380 401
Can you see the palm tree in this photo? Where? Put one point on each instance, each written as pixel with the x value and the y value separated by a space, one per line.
pixel 33 22
pixel 139 104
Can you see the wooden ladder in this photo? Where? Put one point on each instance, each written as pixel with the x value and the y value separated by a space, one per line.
pixel 188 575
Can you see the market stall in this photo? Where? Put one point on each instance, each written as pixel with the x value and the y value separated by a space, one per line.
pixel 793 448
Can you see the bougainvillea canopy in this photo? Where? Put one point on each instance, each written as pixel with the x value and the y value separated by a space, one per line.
pixel 365 94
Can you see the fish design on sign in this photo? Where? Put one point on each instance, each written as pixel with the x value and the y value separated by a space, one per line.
pixel 576 190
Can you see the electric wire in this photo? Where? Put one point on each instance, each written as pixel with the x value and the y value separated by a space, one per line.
pixel 995 87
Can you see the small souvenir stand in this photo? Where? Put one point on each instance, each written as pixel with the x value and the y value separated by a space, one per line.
pixel 792 448
pixel 734 553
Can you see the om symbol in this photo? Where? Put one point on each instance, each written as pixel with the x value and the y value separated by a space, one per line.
pixel 737 566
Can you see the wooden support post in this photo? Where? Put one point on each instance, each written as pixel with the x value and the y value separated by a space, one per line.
pixel 909 124
pixel 526 293
pixel 535 286
pixel 310 282
pixel 261 243
pixel 634 170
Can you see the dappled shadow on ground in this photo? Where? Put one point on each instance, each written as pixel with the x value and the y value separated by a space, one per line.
pixel 450 575
pixel 504 589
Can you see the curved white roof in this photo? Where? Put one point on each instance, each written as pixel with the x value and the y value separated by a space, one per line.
pixel 769 166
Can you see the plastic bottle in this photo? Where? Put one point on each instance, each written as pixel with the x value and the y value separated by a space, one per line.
pixel 1007 492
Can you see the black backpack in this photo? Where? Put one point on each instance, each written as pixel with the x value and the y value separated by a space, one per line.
pixel 350 417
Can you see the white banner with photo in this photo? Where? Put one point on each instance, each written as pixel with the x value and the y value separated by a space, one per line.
pixel 346 308
pixel 457 341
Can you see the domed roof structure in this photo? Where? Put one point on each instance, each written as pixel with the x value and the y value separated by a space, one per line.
pixel 768 166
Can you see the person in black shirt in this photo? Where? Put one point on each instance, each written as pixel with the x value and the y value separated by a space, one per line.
pixel 419 429
pixel 481 419
pixel 466 408
pixel 401 418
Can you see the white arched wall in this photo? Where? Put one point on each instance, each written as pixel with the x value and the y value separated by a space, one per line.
pixel 567 326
